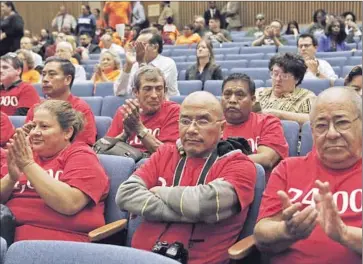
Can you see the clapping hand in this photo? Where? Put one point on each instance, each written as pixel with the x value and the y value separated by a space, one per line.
pixel 140 48
pixel 131 115
pixel 19 150
pixel 298 224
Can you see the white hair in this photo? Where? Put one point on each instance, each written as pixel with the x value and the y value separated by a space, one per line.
pixel 66 45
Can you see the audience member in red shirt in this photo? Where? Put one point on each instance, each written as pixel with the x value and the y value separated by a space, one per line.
pixel 16 97
pixel 263 132
pixel 6 127
pixel 149 120
pixel 54 187
pixel 213 211
pixel 311 210
pixel 58 76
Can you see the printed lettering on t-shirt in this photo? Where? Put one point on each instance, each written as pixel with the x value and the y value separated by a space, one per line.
pixel 28 185
pixel 342 199
pixel 253 143
pixel 9 101
pixel 137 141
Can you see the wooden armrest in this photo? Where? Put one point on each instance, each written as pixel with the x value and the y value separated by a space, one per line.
pixel 107 230
pixel 242 248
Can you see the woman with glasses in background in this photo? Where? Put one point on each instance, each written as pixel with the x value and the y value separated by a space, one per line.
pixel 285 99
pixel 354 79
pixel 334 38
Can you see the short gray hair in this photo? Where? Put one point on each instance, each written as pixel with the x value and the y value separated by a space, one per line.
pixel 115 57
pixel 151 73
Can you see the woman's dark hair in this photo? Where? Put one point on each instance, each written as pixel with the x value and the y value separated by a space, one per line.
pixel 342 35
pixel 66 66
pixel 289 31
pixel 190 26
pixel 241 77
pixel 66 116
pixel 98 11
pixel 290 63
pixel 169 20
pixel 308 35
pixel 155 39
pixel 11 5
pixel 316 13
pixel 345 14
pixel 88 8
pixel 355 71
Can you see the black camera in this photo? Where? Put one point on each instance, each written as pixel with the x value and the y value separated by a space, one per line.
pixel 175 251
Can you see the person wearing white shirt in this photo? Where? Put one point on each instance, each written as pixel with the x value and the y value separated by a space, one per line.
pixel 317 68
pixel 26 43
pixel 138 13
pixel 148 47
pixel 109 45
pixel 64 19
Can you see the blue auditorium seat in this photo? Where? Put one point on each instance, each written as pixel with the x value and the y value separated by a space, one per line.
pixel 292 49
pixel 235 44
pixel 3 249
pixel 252 56
pixel 177 98
pixel 182 52
pixel 306 139
pixel 38 88
pixel 94 56
pixel 102 125
pixel 234 50
pixel 17 121
pixel 232 64
pixel 104 89
pixel 166 52
pixel 346 70
pixel 214 87
pixel 355 60
pixel 179 59
pixel 181 75
pixel 184 65
pixel 322 55
pixel 268 56
pixel 339 82
pixel 337 61
pixel 261 49
pixel 337 70
pixel 90 61
pixel 84 88
pixel 95 102
pixel 291 132
pixel 259 83
pixel 188 87
pixel 254 73
pixel 258 63
pixel 110 104
pixel 351 45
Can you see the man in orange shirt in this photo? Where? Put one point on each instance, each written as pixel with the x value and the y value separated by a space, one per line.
pixel 117 13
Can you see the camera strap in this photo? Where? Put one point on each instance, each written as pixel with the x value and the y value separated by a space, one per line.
pixel 179 172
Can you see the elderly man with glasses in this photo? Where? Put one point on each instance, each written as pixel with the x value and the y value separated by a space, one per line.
pixel 192 193
pixel 311 211
pixel 285 99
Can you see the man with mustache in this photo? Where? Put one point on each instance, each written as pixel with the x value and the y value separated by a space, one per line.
pixel 311 210
pixel 192 193
pixel 149 120
pixel 263 132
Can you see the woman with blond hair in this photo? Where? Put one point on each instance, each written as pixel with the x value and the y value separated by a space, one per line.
pixel 29 74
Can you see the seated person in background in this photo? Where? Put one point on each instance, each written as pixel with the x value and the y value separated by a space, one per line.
pixel 351 28
pixel 50 50
pixel 317 28
pixel 216 33
pixel 311 210
pixel 205 214
pixel 108 70
pixel 114 36
pixel 57 80
pixel 263 132
pixel 85 43
pixel 27 44
pixel 76 57
pixel 170 30
pixel 205 69
pixel 292 29
pixel 317 68
pixel 16 96
pixel 188 36
pixel 109 45
pixel 64 50
pixel 285 99
pixel 128 35
pixel 147 50
pixel 48 182
pixel 354 79
pixel 271 35
pixel 149 120
pixel 334 38
pixel 199 26
pixel 260 27
pixel 7 129
pixel 28 75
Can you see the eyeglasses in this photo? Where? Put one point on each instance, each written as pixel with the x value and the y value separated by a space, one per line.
pixel 283 76
pixel 321 127
pixel 200 123
pixel 305 46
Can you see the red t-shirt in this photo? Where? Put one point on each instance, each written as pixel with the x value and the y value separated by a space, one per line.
pixel 2 160
pixel 6 127
pixel 296 176
pixel 37 221
pixel 88 134
pixel 163 125
pixel 235 168
pixel 22 95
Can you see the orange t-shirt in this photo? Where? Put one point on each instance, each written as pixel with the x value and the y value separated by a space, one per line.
pixel 74 61
pixel 118 13
pixel 101 23
pixel 31 76
pixel 195 38
pixel 111 76
pixel 171 31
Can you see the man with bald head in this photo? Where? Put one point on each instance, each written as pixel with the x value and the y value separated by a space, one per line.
pixel 311 211
pixel 188 193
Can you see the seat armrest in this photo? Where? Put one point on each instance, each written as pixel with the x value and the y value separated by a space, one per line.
pixel 242 248
pixel 107 230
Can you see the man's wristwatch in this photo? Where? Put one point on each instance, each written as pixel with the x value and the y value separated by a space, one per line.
pixel 142 133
